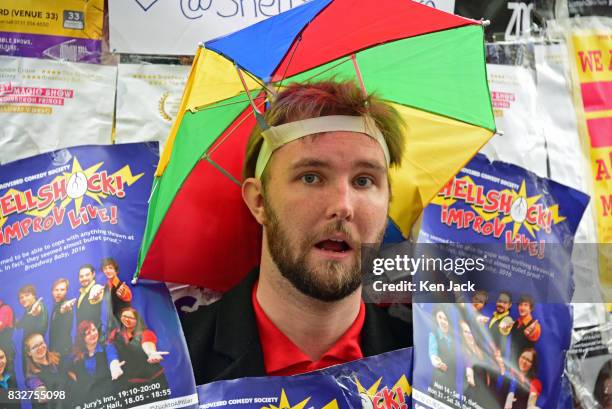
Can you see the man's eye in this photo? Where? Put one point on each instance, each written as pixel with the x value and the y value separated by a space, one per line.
pixel 310 178
pixel 363 181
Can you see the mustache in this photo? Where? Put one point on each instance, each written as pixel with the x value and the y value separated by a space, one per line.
pixel 339 226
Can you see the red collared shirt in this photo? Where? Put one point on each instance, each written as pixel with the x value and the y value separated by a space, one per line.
pixel 282 357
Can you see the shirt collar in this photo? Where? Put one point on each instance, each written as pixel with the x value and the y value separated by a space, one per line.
pixel 114 282
pixel 282 357
pixel 524 320
pixel 84 290
pixel 98 349
pixel 498 316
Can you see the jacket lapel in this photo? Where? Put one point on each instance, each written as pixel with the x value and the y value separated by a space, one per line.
pixel 382 333
pixel 237 336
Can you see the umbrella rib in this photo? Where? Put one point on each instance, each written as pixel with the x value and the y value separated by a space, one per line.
pixel 220 169
pixel 244 85
pixel 294 49
pixel 328 69
pixel 227 135
pixel 212 106
pixel 263 85
pixel 359 77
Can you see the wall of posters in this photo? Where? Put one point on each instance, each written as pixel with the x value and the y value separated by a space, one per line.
pixel 148 98
pixel 590 53
pixel 79 333
pixel 502 345
pixel 69 30
pixel 47 105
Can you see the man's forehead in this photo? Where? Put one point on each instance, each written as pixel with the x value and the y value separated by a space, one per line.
pixel 332 148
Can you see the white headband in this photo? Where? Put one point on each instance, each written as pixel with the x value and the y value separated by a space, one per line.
pixel 277 136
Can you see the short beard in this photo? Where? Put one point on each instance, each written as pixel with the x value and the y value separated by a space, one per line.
pixel 332 284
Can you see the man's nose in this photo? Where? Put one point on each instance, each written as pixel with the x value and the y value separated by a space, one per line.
pixel 341 201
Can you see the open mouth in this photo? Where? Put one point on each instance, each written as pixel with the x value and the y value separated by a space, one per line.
pixel 333 245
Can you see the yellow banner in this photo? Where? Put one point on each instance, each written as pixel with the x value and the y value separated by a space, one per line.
pixel 592 56
pixel 65 18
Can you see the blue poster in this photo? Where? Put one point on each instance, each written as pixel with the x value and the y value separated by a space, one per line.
pixel 502 342
pixel 278 392
pixel 74 332
pixel 376 382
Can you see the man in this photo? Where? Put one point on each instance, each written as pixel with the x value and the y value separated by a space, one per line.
pixel 34 318
pixel 62 316
pixel 319 186
pixel 116 292
pixel 479 299
pixel 89 304
pixel 500 322
pixel 526 330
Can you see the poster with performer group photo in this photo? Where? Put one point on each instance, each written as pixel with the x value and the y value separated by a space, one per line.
pixel 498 337
pixel 376 382
pixel 74 331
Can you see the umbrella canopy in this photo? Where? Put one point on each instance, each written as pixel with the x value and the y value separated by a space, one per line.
pixel 428 64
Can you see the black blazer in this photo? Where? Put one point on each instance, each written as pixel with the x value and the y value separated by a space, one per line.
pixel 223 339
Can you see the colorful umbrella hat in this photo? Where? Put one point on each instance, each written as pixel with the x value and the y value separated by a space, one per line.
pixel 429 64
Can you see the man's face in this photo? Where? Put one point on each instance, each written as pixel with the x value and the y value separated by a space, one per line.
pixel 26 299
pixel 59 291
pixel 478 302
pixel 325 196
pixel 109 271
pixel 503 303
pixel 86 276
pixel 524 309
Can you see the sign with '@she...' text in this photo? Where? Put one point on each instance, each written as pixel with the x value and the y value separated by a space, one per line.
pixel 176 27
pixel 188 22
pixel 74 331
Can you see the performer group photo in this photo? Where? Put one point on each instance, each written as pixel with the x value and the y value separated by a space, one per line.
pixel 76 350
pixel 492 362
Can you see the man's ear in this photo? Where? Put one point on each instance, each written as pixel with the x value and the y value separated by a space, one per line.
pixel 252 194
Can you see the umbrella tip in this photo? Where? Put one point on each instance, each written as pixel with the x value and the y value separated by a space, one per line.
pixel 485 23
pixel 134 280
pixel 499 132
pixel 201 44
